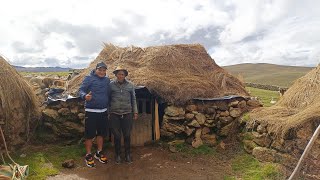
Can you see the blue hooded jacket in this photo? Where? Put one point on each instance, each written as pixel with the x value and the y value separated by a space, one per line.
pixel 99 87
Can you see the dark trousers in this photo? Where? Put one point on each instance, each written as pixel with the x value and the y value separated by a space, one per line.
pixel 118 124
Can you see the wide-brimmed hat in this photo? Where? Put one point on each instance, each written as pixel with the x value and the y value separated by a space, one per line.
pixel 119 68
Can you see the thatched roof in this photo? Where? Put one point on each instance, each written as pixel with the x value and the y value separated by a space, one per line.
pixel 299 105
pixel 18 104
pixel 176 73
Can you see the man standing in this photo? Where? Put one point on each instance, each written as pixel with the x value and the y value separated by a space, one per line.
pixel 95 91
pixel 123 109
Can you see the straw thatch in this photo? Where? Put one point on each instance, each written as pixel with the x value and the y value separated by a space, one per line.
pixel 176 73
pixel 299 105
pixel 18 104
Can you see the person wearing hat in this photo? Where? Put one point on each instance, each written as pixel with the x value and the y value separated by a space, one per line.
pixel 123 109
pixel 95 91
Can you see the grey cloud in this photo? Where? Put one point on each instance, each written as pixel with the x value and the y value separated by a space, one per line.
pixel 21 47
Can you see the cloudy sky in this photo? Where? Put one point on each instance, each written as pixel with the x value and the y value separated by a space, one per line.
pixel 71 33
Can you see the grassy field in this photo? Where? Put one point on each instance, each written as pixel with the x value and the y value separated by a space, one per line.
pixel 264 95
pixel 269 74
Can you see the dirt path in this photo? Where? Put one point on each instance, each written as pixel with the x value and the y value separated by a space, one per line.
pixel 157 163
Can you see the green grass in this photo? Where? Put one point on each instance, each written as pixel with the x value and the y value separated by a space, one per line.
pixel 47 161
pixel 44 73
pixel 264 95
pixel 201 150
pixel 248 168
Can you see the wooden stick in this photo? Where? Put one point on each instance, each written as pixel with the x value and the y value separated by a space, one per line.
pixel 156 120
pixel 305 154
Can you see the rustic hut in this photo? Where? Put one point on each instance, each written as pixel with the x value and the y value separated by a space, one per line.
pixel 18 105
pixel 287 126
pixel 170 81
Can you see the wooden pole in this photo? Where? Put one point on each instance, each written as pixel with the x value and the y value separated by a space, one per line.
pixel 305 154
pixel 156 120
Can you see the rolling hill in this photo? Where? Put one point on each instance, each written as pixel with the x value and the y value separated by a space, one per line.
pixel 269 74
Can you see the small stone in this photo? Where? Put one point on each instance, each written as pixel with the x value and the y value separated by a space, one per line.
pixel 191 108
pixel 189 116
pixel 197 142
pixel 194 123
pixel 51 113
pixel 189 130
pixel 174 111
pixel 233 104
pixel 205 130
pixel 198 133
pixel 225 120
pixel 210 110
pixel 235 112
pixel 242 104
pixel 254 103
pixel 173 149
pixel 224 113
pixel 200 118
pixel 209 139
pixel 68 163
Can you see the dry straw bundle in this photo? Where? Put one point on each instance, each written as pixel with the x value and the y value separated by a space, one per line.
pixel 299 105
pixel 18 104
pixel 176 73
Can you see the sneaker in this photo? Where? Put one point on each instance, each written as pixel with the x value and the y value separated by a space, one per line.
pixel 102 158
pixel 118 159
pixel 89 160
pixel 128 159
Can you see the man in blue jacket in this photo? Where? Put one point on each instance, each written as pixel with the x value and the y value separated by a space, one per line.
pixel 95 91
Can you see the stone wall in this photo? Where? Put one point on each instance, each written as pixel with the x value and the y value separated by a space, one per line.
pixel 64 119
pixel 286 150
pixel 204 122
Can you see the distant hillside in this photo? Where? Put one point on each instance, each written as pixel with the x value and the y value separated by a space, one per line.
pixel 270 74
pixel 41 69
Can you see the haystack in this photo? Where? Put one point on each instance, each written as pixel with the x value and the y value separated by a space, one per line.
pixel 18 105
pixel 299 105
pixel 176 73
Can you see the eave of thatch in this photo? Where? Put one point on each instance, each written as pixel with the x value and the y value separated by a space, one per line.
pixel 176 73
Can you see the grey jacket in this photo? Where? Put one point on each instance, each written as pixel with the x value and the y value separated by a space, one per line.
pixel 123 98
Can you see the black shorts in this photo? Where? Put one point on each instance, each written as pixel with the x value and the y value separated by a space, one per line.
pixel 95 124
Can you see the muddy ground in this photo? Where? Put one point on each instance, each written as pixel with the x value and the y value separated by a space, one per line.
pixel 159 163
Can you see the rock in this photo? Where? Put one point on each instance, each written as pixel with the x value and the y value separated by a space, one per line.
pixel 224 113
pixel 242 104
pixel 233 104
pixel 205 130
pixel 197 142
pixel 167 134
pixel 64 111
pixel 81 116
pixel 210 121
pixel 194 123
pixel 75 110
pixel 189 130
pixel 71 126
pixel 174 111
pixel 209 125
pixel 209 139
pixel 264 154
pixel 249 145
pixel 235 112
pixel 263 140
pixel 225 131
pixel 51 113
pixel 191 108
pixel 68 163
pixel 189 116
pixel 173 149
pixel 200 118
pixel 198 133
pixel 226 120
pixel 210 110
pixel 254 103
pixel 175 128
pixel 174 118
